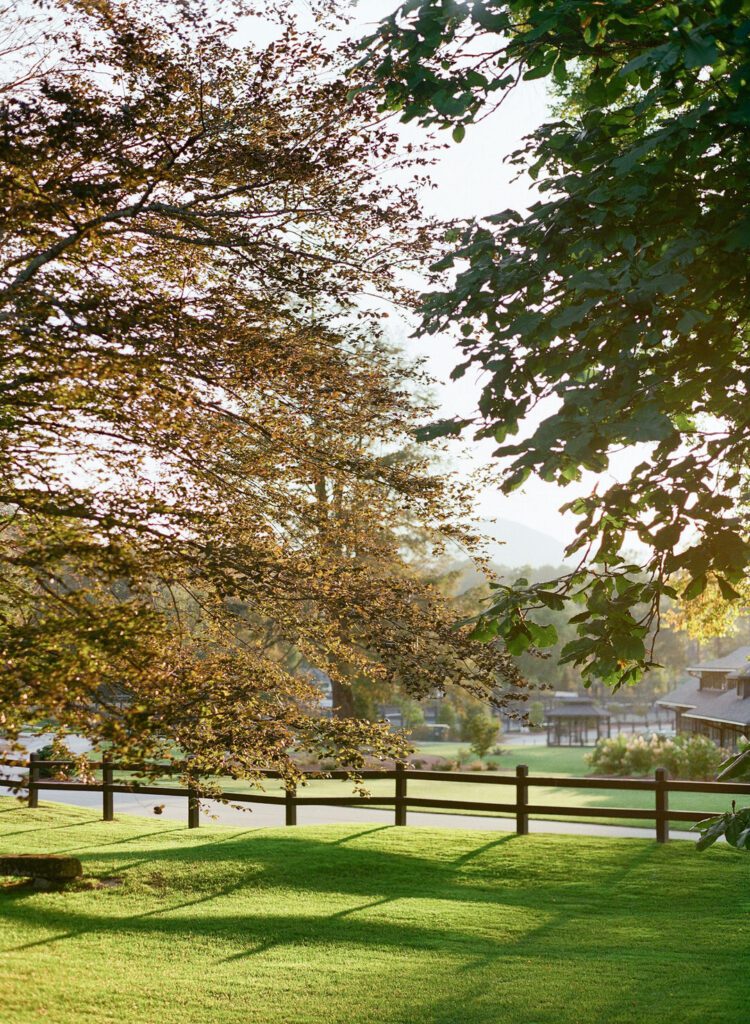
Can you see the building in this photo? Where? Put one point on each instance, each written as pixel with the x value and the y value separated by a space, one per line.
pixel 575 721
pixel 716 701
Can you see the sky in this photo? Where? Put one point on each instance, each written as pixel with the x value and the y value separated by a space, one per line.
pixel 471 180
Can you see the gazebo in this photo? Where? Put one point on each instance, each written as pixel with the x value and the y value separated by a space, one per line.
pixel 570 721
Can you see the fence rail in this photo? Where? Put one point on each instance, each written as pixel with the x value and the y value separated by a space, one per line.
pixel 520 806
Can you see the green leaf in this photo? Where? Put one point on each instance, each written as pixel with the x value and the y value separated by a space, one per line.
pixel 695 588
pixel 700 51
pixel 629 648
pixel 441 428
pixel 735 767
pixel 518 642
pixel 542 636
pixel 709 835
pixel 485 630
pixel 727 590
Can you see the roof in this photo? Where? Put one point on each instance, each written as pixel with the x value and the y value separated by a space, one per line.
pixel 723 706
pixel 683 696
pixel 577 707
pixel 734 662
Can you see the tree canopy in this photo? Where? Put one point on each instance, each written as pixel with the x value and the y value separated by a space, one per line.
pixel 200 421
pixel 619 304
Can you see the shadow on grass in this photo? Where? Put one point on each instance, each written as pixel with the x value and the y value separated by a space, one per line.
pixel 466 912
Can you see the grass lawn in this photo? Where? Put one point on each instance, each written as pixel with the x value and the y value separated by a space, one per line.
pixel 541 759
pixel 347 925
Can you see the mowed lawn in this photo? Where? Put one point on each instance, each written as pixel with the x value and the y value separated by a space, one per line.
pixel 384 925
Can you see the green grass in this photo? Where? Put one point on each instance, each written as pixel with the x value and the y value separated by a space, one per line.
pixel 541 759
pixel 370 925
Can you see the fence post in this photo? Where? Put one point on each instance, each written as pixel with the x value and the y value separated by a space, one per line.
pixel 662 806
pixel 290 805
pixel 108 797
pixel 33 780
pixel 400 793
pixel 193 808
pixel 522 799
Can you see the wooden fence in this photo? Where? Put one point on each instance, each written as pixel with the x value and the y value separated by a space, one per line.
pixel 516 786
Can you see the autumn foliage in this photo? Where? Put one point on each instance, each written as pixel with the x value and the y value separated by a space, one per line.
pixel 205 438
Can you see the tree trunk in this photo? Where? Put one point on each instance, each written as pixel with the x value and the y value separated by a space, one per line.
pixel 343 700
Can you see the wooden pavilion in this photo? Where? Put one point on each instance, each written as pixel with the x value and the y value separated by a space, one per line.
pixel 570 722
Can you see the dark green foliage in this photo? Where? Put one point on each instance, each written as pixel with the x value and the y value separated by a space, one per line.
pixel 621 298
pixel 734 825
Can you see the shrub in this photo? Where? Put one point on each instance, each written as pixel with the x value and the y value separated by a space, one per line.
pixel 53 752
pixel 610 756
pixel 691 757
pixel 641 755
pixel 685 757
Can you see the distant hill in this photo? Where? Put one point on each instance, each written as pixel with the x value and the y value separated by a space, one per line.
pixel 514 544
pixel 511 547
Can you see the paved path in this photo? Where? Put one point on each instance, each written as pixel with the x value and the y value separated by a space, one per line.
pixel 263 815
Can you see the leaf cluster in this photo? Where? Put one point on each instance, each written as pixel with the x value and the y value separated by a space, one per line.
pixel 619 304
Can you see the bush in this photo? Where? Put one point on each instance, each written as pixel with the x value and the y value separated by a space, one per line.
pixel 610 756
pixel 53 752
pixel 692 757
pixel 430 733
pixel 685 757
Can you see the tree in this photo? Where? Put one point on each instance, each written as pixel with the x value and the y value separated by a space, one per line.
pixel 192 381
pixel 618 304
pixel 709 614
pixel 480 729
